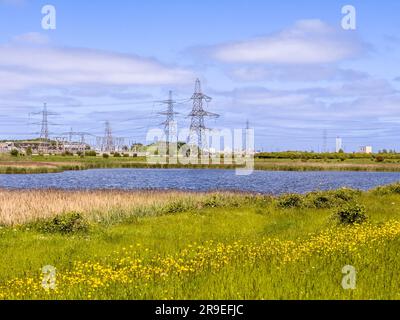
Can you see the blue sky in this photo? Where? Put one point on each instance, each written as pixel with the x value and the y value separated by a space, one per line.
pixel 287 66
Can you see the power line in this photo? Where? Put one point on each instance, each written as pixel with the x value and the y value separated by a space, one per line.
pixel 110 104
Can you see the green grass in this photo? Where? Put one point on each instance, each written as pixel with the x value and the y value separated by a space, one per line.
pixel 56 163
pixel 25 250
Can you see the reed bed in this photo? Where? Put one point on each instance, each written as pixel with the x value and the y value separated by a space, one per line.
pixel 25 206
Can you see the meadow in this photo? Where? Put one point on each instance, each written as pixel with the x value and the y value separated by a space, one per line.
pixel 175 245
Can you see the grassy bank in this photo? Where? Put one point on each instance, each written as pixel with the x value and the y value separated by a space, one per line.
pixel 52 164
pixel 148 245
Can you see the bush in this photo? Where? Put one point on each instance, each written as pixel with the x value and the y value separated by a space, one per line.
pixel 65 224
pixel 379 159
pixel 28 151
pixel 290 201
pixel 322 200
pixel 126 155
pixel 330 199
pixel 106 155
pixel 175 207
pixel 91 153
pixel 351 214
pixel 117 155
pixel 390 189
pixel 213 201
pixel 346 194
pixel 14 152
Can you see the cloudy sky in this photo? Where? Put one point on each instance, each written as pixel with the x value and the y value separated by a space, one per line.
pixel 287 66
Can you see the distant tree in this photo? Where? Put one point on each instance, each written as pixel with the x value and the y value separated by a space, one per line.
pixel 91 153
pixel 137 147
pixel 14 153
pixel 28 151
pixel 67 153
pixel 106 155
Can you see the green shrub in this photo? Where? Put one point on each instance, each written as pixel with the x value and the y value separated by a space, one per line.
pixel 106 155
pixel 330 199
pixel 290 201
pixel 91 153
pixel 14 152
pixel 117 155
pixel 175 207
pixel 213 201
pixel 68 223
pixel 28 151
pixel 322 200
pixel 346 194
pixel 390 189
pixel 351 214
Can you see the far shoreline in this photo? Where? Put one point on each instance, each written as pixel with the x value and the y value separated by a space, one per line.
pixel 57 167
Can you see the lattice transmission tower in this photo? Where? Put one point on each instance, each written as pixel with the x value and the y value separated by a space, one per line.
pixel 169 124
pixel 197 126
pixel 108 140
pixel 44 123
pixel 44 132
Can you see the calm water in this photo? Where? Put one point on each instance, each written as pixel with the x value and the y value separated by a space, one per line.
pixel 274 182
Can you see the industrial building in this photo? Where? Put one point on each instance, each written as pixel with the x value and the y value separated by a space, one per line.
pixel 366 149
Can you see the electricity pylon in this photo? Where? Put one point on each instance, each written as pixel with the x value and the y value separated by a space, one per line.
pixel 197 126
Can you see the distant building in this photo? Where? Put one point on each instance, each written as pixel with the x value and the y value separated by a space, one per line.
pixel 75 147
pixel 366 149
pixel 339 144
pixel 6 147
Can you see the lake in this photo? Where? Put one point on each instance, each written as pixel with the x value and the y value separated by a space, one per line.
pixel 272 182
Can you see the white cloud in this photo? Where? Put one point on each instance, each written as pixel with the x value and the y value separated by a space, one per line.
pixel 260 96
pixel 23 67
pixel 295 73
pixel 307 42
pixel 363 88
pixel 362 100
